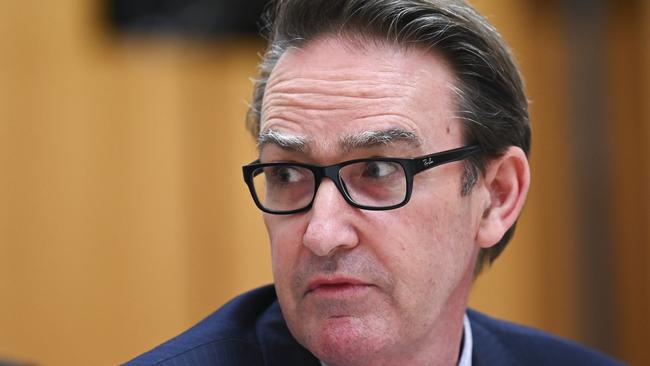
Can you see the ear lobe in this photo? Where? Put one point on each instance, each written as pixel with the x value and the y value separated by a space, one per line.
pixel 507 179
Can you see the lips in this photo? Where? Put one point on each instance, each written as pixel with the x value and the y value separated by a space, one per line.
pixel 336 286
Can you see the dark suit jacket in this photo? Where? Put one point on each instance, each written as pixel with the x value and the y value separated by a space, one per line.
pixel 250 330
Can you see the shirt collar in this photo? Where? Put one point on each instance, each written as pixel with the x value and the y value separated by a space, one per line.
pixel 468 343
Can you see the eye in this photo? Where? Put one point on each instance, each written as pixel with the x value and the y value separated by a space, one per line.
pixel 379 169
pixel 286 174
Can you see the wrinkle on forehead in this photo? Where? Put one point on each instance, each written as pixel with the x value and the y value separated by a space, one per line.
pixel 328 90
pixel 293 80
pixel 327 77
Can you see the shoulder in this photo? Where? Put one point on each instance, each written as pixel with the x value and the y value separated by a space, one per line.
pixel 242 332
pixel 501 342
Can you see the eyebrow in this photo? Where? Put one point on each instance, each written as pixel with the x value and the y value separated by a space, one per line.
pixel 362 140
pixel 285 140
pixel 367 139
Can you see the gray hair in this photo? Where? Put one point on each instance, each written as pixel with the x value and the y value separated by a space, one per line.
pixel 490 92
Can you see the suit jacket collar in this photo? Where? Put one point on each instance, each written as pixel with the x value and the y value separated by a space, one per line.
pixel 487 348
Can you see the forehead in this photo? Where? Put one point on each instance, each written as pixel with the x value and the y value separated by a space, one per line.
pixel 333 88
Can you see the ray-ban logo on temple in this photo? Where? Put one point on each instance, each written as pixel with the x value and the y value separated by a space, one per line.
pixel 369 184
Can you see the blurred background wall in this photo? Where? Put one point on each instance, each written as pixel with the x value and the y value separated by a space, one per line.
pixel 124 220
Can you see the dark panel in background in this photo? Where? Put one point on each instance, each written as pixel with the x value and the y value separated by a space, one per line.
pixel 194 18
pixel 587 22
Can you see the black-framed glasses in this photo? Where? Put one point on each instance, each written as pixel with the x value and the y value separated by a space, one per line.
pixel 371 184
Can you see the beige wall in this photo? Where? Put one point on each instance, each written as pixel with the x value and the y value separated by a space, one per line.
pixel 123 216
pixel 120 214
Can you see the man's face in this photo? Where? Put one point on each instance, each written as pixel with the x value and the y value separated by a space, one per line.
pixel 359 285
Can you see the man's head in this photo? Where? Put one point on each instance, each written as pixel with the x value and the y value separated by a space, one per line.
pixel 490 96
pixel 353 79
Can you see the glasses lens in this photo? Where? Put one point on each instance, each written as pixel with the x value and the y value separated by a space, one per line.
pixel 375 183
pixel 284 187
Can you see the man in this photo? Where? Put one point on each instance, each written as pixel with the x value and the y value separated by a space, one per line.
pixel 393 139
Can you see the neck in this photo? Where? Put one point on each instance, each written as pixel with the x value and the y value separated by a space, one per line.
pixel 447 336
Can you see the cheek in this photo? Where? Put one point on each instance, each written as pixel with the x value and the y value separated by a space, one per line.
pixel 284 231
pixel 430 246
pixel 285 237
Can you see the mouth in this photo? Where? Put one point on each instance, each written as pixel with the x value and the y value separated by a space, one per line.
pixel 336 287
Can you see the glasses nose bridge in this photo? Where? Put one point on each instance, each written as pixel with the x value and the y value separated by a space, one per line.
pixel 332 172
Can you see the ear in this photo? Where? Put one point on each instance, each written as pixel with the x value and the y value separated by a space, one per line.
pixel 506 180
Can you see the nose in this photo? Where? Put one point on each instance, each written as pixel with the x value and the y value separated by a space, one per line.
pixel 330 227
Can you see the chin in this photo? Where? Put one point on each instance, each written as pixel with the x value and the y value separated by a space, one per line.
pixel 347 341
